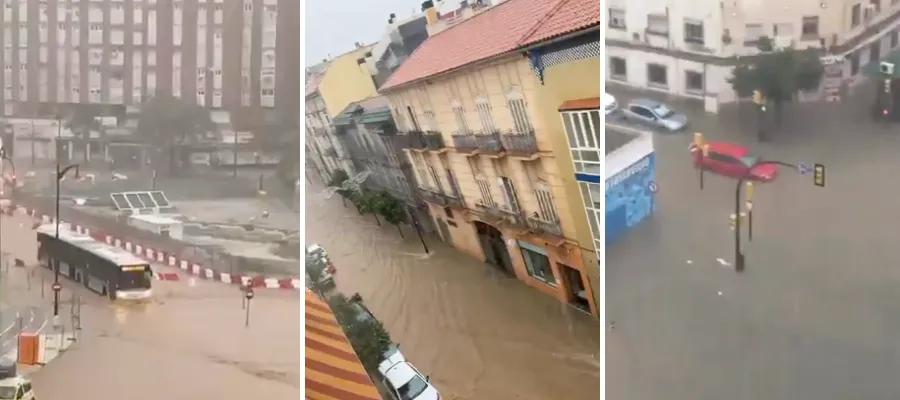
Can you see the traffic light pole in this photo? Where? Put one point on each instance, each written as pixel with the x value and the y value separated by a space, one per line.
pixel 739 261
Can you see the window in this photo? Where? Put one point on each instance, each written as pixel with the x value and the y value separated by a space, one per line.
pixel 519 111
pixel 536 263
pixel 893 39
pixel 484 188
pixel 875 51
pixel 658 25
pixel 459 114
pixel 509 194
pixel 810 29
pixel 693 32
pixel 657 75
pixel 855 15
pixel 448 212
pixel 854 63
pixel 693 81
pixel 752 33
pixel 430 119
pixel 434 178
pixel 783 30
pixel 642 112
pixel 616 18
pixel 591 193
pixel 484 114
pixel 876 4
pixel 583 130
pixel 454 187
pixel 545 202
pixel 412 118
pixel 617 68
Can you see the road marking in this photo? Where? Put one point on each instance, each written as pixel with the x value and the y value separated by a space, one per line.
pixel 8 328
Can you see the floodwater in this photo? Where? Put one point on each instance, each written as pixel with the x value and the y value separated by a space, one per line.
pixel 190 342
pixel 478 334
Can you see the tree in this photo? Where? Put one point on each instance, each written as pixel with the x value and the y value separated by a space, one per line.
pixel 365 333
pixel 171 123
pixel 367 202
pixel 779 74
pixel 82 123
pixel 390 209
pixel 338 177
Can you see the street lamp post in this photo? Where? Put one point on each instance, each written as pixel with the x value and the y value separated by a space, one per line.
pixel 60 174
pixel 249 296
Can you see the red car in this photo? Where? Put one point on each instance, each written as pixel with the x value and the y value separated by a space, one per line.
pixel 734 161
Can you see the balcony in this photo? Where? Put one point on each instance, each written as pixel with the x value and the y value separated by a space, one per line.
pixel 465 143
pixel 489 143
pixel 520 145
pixel 540 226
pixel 489 213
pixel 433 197
pixel 433 141
pixel 412 140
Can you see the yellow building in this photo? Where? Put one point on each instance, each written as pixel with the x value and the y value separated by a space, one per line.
pixel 336 83
pixel 479 105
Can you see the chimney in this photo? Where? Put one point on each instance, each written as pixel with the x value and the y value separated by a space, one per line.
pixel 431 15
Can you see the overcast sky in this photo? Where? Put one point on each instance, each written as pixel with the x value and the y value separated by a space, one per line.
pixel 332 26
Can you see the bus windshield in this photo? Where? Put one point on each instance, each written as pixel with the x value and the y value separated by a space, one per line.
pixel 135 277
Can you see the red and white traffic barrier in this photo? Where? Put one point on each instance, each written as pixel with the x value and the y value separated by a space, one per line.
pixel 190 268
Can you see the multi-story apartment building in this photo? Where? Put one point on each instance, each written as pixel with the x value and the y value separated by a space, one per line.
pixel 219 53
pixel 690 48
pixel 366 129
pixel 334 85
pixel 400 39
pixel 483 134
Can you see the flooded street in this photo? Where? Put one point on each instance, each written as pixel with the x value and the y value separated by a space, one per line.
pixel 190 342
pixel 478 334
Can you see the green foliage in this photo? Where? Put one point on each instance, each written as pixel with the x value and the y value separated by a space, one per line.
pixel 779 74
pixel 83 121
pixel 367 335
pixel 389 207
pixel 366 201
pixel 168 120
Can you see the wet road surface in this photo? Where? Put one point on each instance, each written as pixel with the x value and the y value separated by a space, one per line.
pixel 815 315
pixel 479 335
pixel 190 342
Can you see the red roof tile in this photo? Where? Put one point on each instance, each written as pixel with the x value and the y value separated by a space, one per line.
pixel 569 16
pixel 496 31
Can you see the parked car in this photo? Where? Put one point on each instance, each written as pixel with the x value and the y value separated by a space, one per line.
pixel 733 160
pixel 609 104
pixel 403 380
pixel 654 114
pixel 316 254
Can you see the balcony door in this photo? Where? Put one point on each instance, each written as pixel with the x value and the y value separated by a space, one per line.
pixel 509 193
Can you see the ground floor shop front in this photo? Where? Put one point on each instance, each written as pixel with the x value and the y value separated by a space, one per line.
pixel 545 262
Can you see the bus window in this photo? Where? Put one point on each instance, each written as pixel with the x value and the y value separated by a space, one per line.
pixel 135 277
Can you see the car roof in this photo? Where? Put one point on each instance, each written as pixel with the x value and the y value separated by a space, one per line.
pixel 731 149
pixel 646 102
pixel 400 373
pixel 608 98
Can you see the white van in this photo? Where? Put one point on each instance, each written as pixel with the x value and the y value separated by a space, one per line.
pixel 16 388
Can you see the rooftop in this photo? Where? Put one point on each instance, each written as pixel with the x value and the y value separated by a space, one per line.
pixel 617 138
pixel 504 28
pixel 109 252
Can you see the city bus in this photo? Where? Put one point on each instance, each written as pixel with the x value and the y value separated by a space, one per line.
pixel 100 267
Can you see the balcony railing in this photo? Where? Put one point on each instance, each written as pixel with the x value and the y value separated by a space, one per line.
pixel 465 142
pixel 433 140
pixel 539 226
pixel 514 217
pixel 413 140
pixel 520 144
pixel 489 142
pixel 490 213
pixel 438 199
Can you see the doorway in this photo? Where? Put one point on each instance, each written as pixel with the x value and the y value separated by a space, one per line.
pixel 494 246
pixel 444 231
pixel 577 290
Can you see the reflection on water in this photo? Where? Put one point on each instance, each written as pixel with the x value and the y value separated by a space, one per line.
pixel 478 333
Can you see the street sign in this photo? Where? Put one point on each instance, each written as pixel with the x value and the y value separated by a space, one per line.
pixel 803 169
pixel 56 287
pixel 249 294
pixel 653 187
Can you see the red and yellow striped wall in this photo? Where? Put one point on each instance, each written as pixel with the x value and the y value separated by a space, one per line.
pixel 333 371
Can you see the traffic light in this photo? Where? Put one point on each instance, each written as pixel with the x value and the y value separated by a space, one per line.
pixel 748 194
pixel 819 175
pixel 887 85
pixel 732 219
pixel 698 140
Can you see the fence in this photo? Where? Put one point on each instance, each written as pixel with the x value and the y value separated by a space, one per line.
pixel 207 256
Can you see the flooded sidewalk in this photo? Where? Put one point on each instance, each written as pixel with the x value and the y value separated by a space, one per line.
pixel 479 334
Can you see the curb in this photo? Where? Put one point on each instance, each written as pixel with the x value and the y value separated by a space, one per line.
pixel 194 269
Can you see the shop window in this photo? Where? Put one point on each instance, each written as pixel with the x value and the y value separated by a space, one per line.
pixel 537 264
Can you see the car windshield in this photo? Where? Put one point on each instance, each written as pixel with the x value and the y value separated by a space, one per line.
pixel 663 111
pixel 7 392
pixel 412 389
pixel 749 161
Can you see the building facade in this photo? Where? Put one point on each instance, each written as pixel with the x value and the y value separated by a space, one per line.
pixel 690 48
pixel 367 130
pixel 483 149
pixel 219 53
